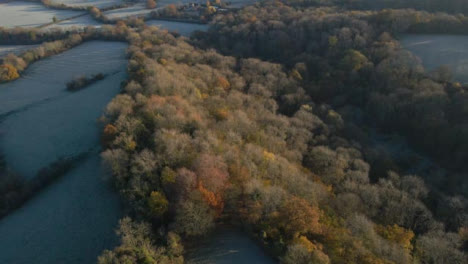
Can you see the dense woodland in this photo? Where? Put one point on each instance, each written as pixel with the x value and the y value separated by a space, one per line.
pixel 198 138
pixel 352 62
pixel 448 6
pixel 268 122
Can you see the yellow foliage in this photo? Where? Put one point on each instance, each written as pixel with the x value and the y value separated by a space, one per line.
pixel 198 93
pixel 332 113
pixel 295 74
pixel 354 60
pixel 268 155
pixel 162 61
pixel 332 41
pixel 305 242
pixel 157 204
pixel 306 107
pixel 147 45
pixel 221 114
pixel 130 145
pixel 8 73
pixel 168 176
pixel 396 234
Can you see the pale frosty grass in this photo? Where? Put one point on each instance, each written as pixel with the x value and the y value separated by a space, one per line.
pixel 30 14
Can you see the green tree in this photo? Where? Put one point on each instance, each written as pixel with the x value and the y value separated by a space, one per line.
pixel 157 204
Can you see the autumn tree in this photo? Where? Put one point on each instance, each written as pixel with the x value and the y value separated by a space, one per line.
pixel 212 179
pixel 397 234
pixel 15 61
pixel 157 204
pixel 194 217
pixel 150 4
pixel 297 217
pixel 108 135
pixel 8 73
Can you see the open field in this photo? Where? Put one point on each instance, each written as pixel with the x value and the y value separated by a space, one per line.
pixel 71 221
pixel 79 22
pixel 15 49
pixel 438 50
pixel 96 3
pixel 30 14
pixel 135 10
pixel 38 102
pixel 227 246
pixel 185 29
pixel 242 3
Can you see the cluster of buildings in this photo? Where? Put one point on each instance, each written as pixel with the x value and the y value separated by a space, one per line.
pixel 197 7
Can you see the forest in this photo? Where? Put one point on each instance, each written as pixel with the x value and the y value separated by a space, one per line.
pixel 267 122
pixel 448 6
pixel 281 146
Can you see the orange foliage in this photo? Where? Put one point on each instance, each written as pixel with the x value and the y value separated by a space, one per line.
pixel 183 110
pixel 212 180
pixel 109 134
pixel 221 114
pixel 150 4
pixel 215 201
pixel 298 217
pixel 252 19
pixel 212 171
pixel 171 10
pixel 222 82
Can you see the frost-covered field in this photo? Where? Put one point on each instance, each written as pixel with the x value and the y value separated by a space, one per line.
pixel 185 29
pixel 46 79
pixel 30 14
pixel 42 121
pixel 242 3
pixel 437 50
pixel 71 221
pixel 227 246
pixel 233 3
pixel 79 22
pixel 163 3
pixel 135 10
pixel 96 3
pixel 15 49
